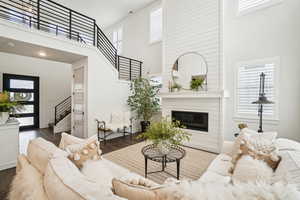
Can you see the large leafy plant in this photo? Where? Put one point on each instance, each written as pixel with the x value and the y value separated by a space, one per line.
pixel 165 130
pixel 144 100
pixel 6 105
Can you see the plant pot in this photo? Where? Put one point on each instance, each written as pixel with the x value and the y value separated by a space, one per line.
pixel 164 147
pixel 144 125
pixel 3 117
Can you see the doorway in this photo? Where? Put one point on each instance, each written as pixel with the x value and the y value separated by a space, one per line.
pixel 25 90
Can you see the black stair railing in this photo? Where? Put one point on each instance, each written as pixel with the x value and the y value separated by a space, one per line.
pixel 49 16
pixel 63 109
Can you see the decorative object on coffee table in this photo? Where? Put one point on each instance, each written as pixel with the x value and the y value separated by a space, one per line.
pixel 164 134
pixel 144 100
pixel 152 152
pixel 262 100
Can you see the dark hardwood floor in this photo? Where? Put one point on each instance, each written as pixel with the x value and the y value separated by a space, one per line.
pixel 6 176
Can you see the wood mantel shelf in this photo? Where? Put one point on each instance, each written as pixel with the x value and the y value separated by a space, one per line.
pixel 192 94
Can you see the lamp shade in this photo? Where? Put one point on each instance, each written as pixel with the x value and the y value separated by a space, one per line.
pixel 263 100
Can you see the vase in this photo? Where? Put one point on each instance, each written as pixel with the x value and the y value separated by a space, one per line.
pixel 3 117
pixel 164 147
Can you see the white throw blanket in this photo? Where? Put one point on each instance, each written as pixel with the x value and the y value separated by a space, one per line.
pixel 214 191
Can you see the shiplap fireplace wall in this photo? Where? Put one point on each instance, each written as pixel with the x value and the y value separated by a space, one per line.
pixel 195 25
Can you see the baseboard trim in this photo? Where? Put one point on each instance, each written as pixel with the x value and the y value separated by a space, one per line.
pixel 8 165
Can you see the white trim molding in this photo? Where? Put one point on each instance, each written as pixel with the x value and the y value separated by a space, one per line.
pixel 276 83
pixel 260 6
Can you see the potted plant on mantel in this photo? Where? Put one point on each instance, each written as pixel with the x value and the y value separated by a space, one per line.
pixel 196 83
pixel 165 134
pixel 6 107
pixel 144 101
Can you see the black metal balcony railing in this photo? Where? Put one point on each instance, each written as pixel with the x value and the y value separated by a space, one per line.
pixel 49 16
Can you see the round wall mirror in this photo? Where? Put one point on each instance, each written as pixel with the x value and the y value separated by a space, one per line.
pixel 189 72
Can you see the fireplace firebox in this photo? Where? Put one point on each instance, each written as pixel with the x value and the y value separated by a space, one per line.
pixel 192 120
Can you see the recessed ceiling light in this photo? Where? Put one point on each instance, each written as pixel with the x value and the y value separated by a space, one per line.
pixel 42 54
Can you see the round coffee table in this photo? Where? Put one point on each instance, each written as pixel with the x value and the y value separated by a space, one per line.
pixel 175 154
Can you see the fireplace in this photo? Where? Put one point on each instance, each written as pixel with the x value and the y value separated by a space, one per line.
pixel 192 120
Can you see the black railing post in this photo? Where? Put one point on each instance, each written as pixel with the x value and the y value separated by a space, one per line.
pixel 95 34
pixel 140 69
pixel 130 69
pixel 70 24
pixel 38 14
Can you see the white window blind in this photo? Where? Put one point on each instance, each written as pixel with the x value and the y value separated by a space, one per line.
pixel 156 22
pixel 250 5
pixel 248 89
pixel 118 40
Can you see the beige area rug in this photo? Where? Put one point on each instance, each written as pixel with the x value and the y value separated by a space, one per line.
pixel 193 165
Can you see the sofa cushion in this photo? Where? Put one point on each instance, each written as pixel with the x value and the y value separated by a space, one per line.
pixel 103 171
pixel 284 144
pixel 40 151
pixel 221 165
pixel 249 169
pixel 28 183
pixel 63 180
pixel 289 168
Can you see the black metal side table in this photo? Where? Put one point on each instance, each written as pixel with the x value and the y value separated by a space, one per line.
pixel 175 154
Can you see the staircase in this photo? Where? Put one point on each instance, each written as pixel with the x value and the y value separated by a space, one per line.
pixel 54 18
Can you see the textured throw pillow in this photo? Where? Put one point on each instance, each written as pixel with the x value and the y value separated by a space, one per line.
pixel 135 188
pixel 82 152
pixel 249 169
pixel 28 183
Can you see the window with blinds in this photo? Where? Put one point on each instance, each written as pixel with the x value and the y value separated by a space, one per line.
pixel 156 25
pixel 246 6
pixel 248 89
pixel 118 40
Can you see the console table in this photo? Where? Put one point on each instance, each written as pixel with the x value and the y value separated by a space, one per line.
pixel 9 143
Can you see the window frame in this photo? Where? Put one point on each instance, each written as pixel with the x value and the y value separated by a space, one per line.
pixel 250 117
pixel 150 25
pixel 256 8
pixel 119 51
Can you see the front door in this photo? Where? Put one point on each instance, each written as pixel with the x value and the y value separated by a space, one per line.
pixel 25 90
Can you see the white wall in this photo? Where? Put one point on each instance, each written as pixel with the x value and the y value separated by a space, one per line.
pixel 270 32
pixel 105 93
pixel 55 80
pixel 136 29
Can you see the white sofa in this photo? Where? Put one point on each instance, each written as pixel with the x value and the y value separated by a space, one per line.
pixel 47 174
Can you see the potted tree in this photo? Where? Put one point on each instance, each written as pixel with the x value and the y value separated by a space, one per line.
pixel 7 106
pixel 165 134
pixel 144 101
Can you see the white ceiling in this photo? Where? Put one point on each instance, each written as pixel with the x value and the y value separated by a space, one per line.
pixel 106 12
pixel 31 50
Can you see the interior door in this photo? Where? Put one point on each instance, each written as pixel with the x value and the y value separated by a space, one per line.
pixel 25 90
pixel 78 102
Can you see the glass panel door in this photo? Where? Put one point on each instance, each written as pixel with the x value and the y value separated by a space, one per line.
pixel 25 90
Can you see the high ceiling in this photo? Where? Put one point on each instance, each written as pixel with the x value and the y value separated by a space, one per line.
pixel 106 12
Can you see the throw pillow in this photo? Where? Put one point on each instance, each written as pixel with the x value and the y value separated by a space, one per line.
pixel 249 169
pixel 135 189
pixel 40 151
pixel 28 183
pixel 82 152
pixel 67 139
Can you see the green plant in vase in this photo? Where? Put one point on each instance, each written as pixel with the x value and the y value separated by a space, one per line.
pixel 176 87
pixel 197 83
pixel 7 106
pixel 165 134
pixel 144 100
